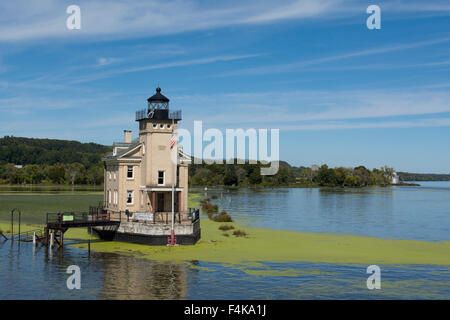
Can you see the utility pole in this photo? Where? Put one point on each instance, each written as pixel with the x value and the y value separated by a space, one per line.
pixel 172 239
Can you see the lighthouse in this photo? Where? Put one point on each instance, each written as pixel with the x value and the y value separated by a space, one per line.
pixel 146 180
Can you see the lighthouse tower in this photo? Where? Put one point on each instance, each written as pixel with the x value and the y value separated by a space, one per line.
pixel 156 126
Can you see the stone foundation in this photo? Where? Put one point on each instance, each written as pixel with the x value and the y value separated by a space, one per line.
pixel 154 234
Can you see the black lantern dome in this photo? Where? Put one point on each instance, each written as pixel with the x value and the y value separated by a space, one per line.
pixel 158 100
pixel 158 109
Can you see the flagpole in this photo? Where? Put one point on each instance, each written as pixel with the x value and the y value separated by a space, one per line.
pixel 172 240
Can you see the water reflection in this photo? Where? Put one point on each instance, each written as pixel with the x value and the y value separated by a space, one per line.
pixel 126 277
pixel 40 273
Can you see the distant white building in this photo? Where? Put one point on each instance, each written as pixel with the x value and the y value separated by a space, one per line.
pixel 18 166
pixel 395 178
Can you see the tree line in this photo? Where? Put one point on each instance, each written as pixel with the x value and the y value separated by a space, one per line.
pixel 50 161
pixel 245 175
pixel 406 176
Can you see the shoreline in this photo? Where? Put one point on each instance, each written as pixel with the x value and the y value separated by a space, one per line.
pixel 99 188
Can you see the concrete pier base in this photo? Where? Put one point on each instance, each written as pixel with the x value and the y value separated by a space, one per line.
pixel 153 234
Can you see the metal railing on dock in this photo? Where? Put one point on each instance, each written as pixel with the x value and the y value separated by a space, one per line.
pixel 77 217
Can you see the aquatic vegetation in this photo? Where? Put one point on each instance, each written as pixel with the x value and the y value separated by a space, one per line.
pixel 239 233
pixel 210 209
pixel 222 217
pixel 225 227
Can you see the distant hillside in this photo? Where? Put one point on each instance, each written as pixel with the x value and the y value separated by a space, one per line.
pixel 407 176
pixel 25 151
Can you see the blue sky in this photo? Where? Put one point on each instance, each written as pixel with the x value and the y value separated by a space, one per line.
pixel 339 93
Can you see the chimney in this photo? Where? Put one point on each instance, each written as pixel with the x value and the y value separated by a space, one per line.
pixel 127 136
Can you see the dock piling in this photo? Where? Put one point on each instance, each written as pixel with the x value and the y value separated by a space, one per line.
pixel 52 236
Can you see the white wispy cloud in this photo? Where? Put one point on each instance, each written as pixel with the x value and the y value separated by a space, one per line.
pixel 419 123
pixel 314 109
pixel 22 20
pixel 171 64
pixel 33 20
pixel 297 65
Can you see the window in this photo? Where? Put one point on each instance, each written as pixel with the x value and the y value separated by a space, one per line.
pixel 115 197
pixel 115 176
pixel 109 196
pixel 130 197
pixel 155 126
pixel 130 172
pixel 161 126
pixel 160 177
pixel 168 126
pixel 109 175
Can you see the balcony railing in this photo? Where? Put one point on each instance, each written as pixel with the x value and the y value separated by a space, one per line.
pixel 159 114
pixel 156 218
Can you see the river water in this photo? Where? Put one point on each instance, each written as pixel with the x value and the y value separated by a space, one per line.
pixel 399 212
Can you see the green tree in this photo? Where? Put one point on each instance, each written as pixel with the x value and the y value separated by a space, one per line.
pixel 230 178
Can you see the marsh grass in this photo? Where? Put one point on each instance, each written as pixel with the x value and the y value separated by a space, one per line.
pixel 226 227
pixel 239 233
pixel 211 211
pixel 222 217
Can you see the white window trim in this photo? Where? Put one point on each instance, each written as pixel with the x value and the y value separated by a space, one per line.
pixel 164 178
pixel 132 198
pixel 132 171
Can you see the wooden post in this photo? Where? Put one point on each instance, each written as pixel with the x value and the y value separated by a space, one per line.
pixel 89 246
pixel 19 224
pixel 46 236
pixel 52 238
pixel 153 201
pixel 179 206
pixel 34 239
pixel 12 225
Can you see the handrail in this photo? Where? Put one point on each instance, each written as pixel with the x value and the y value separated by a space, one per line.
pixel 77 217
pixel 29 233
